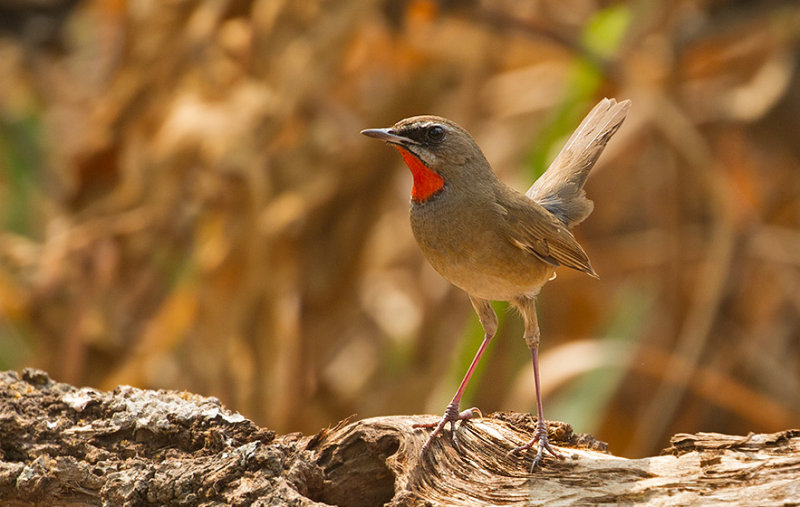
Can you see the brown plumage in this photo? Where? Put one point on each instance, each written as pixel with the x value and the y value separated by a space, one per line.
pixel 490 240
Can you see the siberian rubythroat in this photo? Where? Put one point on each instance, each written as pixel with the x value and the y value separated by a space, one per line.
pixel 493 242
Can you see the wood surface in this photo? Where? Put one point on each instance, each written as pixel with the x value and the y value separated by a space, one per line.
pixel 62 445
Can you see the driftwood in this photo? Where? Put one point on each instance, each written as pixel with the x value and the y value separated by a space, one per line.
pixel 61 445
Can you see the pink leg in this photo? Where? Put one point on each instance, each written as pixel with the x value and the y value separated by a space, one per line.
pixel 540 435
pixel 451 413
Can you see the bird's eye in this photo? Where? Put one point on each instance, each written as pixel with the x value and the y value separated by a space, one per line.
pixel 436 133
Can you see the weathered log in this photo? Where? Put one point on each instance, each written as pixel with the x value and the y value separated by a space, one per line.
pixel 61 445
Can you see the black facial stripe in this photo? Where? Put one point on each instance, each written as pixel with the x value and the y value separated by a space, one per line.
pixel 419 133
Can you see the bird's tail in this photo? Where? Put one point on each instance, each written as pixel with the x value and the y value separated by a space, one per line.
pixel 560 188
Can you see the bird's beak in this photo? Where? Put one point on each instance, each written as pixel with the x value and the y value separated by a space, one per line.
pixel 389 136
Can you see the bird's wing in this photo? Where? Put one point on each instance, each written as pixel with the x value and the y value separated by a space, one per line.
pixel 532 228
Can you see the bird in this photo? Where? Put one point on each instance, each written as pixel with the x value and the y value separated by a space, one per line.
pixel 492 241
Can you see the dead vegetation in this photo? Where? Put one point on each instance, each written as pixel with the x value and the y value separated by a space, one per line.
pixel 186 203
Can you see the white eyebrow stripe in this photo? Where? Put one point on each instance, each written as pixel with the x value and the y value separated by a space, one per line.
pixel 432 123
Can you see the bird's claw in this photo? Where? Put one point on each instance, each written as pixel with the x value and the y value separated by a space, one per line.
pixel 451 415
pixel 540 437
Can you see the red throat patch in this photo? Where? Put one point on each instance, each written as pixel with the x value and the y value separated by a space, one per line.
pixel 426 182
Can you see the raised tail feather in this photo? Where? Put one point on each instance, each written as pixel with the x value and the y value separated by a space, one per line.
pixel 560 189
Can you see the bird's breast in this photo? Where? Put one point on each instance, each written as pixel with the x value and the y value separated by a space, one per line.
pixel 463 240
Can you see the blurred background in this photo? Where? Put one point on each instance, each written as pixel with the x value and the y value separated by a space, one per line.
pixel 186 203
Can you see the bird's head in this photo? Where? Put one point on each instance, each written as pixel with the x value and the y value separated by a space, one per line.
pixel 437 151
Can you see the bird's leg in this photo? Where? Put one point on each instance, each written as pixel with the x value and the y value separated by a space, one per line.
pixel 527 307
pixel 540 434
pixel 451 414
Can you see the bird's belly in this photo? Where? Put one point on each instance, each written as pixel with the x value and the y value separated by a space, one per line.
pixel 496 286
pixel 479 260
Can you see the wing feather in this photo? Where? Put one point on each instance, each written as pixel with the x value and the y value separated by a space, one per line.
pixel 532 228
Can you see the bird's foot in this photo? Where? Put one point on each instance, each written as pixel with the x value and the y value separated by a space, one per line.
pixel 451 415
pixel 540 437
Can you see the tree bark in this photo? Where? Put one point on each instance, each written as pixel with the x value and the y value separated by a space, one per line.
pixel 61 445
